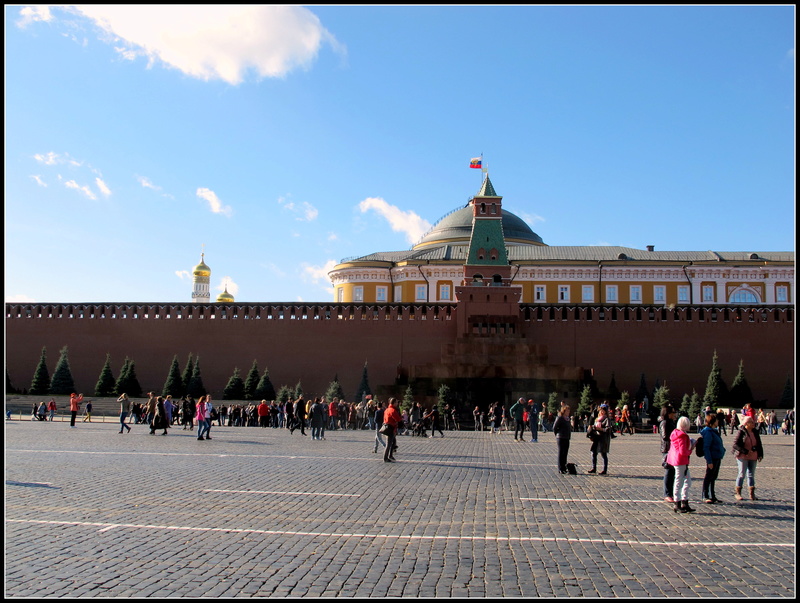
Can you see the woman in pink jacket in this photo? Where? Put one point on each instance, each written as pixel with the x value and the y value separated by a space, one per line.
pixel 680 451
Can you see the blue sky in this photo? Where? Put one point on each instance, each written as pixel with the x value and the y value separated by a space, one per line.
pixel 285 139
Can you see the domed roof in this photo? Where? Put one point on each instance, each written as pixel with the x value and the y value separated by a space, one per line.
pixel 457 226
pixel 201 269
pixel 225 297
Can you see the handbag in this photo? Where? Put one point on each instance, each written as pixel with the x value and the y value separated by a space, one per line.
pixel 385 429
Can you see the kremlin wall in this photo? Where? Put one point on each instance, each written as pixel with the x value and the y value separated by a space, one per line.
pixel 480 304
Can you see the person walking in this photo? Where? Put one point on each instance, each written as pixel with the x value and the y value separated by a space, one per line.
pixel 433 415
pixel 665 426
pixel 391 418
pixel 160 420
pixel 200 418
pixel 299 416
pixel 381 409
pixel 749 452
pixel 517 411
pixel 714 451
pixel 74 406
pixel 562 430
pixel 124 409
pixel 601 443
pixel 87 414
pixel 679 455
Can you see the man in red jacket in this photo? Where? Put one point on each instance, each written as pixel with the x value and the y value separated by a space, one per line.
pixel 391 417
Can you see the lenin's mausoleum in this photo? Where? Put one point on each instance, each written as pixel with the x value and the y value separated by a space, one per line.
pixel 480 304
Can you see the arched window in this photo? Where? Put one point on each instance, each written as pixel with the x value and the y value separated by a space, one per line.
pixel 744 295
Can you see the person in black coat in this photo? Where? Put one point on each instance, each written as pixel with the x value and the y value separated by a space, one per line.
pixel 562 429
pixel 665 427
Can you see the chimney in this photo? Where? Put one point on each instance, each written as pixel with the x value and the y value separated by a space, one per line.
pixel 651 248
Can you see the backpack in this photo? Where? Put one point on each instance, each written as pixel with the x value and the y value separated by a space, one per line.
pixel 698 447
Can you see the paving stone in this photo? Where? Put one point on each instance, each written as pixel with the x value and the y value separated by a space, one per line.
pixel 464 516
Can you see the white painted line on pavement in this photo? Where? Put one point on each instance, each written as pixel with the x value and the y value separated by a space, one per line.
pixel 108 526
pixel 277 492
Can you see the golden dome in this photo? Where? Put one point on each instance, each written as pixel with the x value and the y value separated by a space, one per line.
pixel 225 297
pixel 201 269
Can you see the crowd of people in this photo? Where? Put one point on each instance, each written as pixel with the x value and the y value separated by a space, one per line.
pixel 601 425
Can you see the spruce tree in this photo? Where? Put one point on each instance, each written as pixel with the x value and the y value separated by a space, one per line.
pixel 552 403
pixel 186 376
pixel 740 393
pixel 363 388
pixel 62 383
pixel 234 390
pixel 715 387
pixel 251 383
pixel 442 397
pixel 265 390
pixel 105 383
pixel 10 389
pixel 695 405
pixel 787 396
pixel 408 399
pixel 334 391
pixel 613 393
pixel 686 402
pixel 121 386
pixel 133 389
pixel 284 394
pixel 196 388
pixel 642 392
pixel 40 385
pixel 298 390
pixel 660 399
pixel 173 386
pixel 585 403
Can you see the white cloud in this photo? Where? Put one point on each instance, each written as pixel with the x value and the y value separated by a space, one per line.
pixel 407 222
pixel 304 211
pixel 32 14
pixel 315 274
pixel 183 274
pixel 83 189
pixel 209 42
pixel 48 158
pixel 213 202
pixel 227 282
pixel 39 180
pixel 19 298
pixel 103 187
pixel 145 182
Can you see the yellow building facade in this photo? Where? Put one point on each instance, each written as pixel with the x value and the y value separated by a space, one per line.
pixel 432 269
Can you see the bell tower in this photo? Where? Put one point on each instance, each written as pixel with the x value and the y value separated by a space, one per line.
pixel 201 278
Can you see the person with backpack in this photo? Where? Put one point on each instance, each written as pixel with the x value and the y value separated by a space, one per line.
pixel 665 427
pixel 713 450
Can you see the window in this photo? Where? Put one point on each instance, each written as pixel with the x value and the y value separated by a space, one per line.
pixel 358 294
pixel 636 294
pixel 708 293
pixel 683 294
pixel 539 294
pixel 659 293
pixel 587 293
pixel 612 294
pixel 444 292
pixel 381 294
pixel 563 293
pixel 422 293
pixel 743 296
pixel 782 293
pixel 398 293
pixel 340 294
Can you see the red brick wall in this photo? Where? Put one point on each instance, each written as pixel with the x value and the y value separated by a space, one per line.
pixel 313 350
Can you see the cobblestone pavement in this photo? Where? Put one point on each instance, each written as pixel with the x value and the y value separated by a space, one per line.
pixel 259 512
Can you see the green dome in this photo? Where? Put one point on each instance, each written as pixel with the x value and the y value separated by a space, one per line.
pixel 457 227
